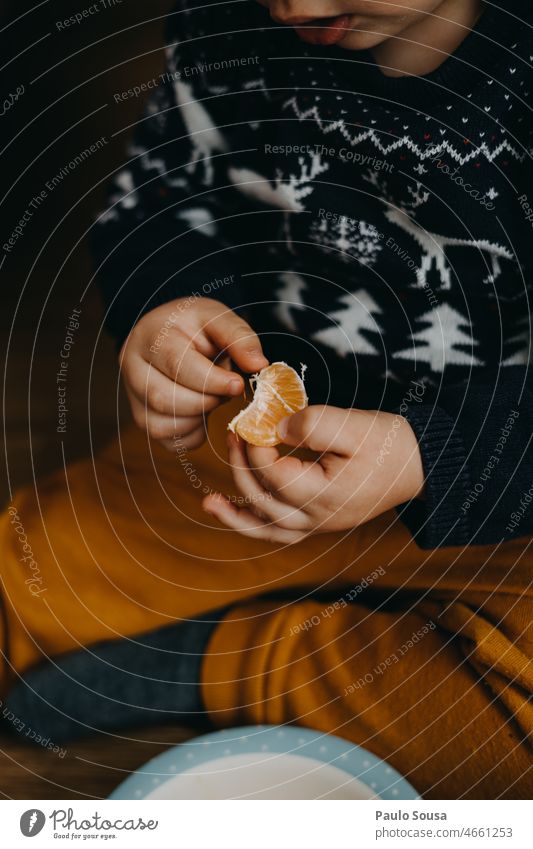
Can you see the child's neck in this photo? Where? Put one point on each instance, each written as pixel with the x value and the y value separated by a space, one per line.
pixel 425 45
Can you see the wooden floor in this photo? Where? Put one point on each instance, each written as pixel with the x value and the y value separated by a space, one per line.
pixel 47 274
pixel 88 770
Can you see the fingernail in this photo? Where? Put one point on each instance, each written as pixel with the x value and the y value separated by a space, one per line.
pixel 234 387
pixel 283 428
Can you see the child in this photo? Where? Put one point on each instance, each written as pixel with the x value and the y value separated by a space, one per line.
pixel 342 183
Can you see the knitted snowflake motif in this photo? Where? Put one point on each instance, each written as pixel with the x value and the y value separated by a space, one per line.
pixel 348 238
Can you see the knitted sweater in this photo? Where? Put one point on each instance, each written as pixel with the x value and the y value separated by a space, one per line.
pixel 377 229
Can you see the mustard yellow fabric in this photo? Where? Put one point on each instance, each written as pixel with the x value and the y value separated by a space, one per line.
pixel 422 657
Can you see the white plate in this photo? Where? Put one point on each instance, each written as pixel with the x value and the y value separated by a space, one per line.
pixel 266 762
pixel 263 776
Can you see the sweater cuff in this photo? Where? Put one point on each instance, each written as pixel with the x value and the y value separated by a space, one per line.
pixel 438 520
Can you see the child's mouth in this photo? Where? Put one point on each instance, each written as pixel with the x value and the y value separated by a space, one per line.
pixel 324 30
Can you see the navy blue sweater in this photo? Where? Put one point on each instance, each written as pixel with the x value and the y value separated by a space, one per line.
pixel 378 229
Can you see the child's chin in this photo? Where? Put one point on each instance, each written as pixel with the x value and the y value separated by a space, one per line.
pixel 361 40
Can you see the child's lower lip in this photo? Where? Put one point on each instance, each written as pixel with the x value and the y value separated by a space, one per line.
pixel 330 31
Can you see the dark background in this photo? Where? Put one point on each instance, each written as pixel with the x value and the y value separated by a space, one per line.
pixel 69 78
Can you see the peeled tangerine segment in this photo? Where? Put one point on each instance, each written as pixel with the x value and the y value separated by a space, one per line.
pixel 279 391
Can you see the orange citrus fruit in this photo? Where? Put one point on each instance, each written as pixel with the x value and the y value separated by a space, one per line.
pixel 279 391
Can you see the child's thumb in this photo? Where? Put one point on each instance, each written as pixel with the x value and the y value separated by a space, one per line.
pixel 320 428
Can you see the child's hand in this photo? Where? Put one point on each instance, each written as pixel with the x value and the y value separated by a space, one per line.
pixel 369 462
pixel 167 366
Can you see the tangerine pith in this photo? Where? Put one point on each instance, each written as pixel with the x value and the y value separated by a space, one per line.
pixel 279 391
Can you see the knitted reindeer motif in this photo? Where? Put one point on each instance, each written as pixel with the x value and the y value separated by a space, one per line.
pixel 433 250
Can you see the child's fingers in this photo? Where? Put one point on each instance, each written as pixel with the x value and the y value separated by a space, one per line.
pixel 292 480
pixel 186 366
pixel 320 428
pixel 259 500
pixel 162 395
pixel 190 442
pixel 235 337
pixel 243 521
pixel 163 427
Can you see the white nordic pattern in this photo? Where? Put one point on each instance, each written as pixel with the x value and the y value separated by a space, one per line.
pixel 123 193
pixel 358 314
pixel 353 239
pixel 523 339
pixel 287 192
pixel 327 126
pixel 289 297
pixel 447 337
pixel 198 217
pixel 433 250
pixel 204 136
pixel 438 343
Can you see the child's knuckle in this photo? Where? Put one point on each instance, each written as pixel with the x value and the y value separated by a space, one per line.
pixel 155 398
pixel 158 430
pixel 267 479
pixel 240 332
pixel 209 402
pixel 174 361
pixel 139 417
pixel 309 419
pixel 259 513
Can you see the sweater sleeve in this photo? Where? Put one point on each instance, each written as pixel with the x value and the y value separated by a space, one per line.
pixel 159 237
pixel 477 453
